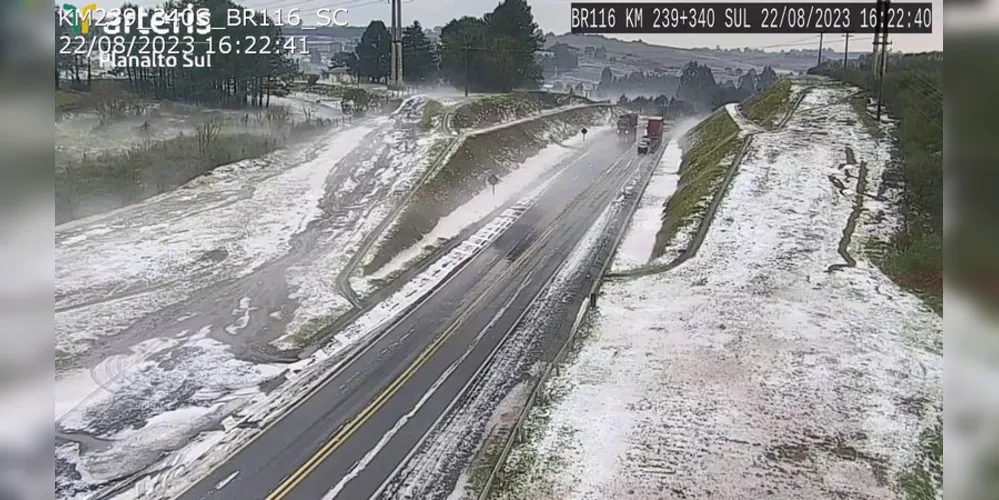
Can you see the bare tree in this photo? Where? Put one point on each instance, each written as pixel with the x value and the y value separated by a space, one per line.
pixel 207 132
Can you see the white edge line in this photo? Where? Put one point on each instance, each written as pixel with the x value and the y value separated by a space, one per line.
pixel 473 379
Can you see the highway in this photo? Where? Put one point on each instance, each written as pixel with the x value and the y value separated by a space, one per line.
pixel 349 437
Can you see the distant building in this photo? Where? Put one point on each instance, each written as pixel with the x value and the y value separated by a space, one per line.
pixel 340 75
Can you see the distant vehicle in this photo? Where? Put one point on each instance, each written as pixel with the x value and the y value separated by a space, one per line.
pixel 627 128
pixel 643 145
pixel 653 135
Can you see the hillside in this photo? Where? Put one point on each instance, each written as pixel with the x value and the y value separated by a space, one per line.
pixel 641 54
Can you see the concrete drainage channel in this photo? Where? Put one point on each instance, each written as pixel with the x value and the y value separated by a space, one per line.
pixel 361 306
pixel 607 250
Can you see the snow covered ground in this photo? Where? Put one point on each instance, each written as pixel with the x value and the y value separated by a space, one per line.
pixel 149 380
pixel 635 249
pixel 750 371
pixel 78 134
pixel 157 304
pixel 154 253
pixel 486 201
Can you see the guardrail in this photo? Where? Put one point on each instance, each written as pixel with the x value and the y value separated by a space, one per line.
pixel 587 304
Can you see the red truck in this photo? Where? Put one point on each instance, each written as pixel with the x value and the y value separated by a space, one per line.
pixel 653 135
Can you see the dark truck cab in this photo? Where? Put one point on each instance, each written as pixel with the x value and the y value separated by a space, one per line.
pixel 627 128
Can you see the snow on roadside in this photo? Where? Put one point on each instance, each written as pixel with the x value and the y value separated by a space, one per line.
pixel 315 282
pixel 486 201
pixel 209 448
pixel 160 245
pixel 635 249
pixel 495 400
pixel 750 371
pixel 416 288
pixel 746 126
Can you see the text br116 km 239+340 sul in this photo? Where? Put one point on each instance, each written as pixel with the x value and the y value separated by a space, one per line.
pixel 800 17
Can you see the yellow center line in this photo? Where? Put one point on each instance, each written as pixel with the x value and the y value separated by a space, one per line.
pixel 353 425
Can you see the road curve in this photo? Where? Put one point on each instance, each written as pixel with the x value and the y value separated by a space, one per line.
pixel 354 432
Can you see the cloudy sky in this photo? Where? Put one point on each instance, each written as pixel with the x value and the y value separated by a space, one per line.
pixel 553 15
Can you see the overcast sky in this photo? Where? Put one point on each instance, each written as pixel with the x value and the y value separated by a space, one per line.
pixel 553 15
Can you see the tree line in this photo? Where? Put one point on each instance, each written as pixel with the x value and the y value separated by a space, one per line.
pixel 497 52
pixel 232 80
pixel 694 91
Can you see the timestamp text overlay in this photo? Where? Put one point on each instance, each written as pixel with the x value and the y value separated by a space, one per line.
pixel 755 18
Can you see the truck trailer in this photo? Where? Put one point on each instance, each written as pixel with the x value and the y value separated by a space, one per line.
pixel 627 128
pixel 653 135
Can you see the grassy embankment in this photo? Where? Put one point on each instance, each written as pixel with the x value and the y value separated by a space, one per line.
pixel 93 184
pixel 769 106
pixel 492 110
pixel 702 169
pixel 709 149
pixel 465 173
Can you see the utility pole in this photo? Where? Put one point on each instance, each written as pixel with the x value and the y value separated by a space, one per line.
pixel 883 60
pixel 820 50
pixel 394 50
pixel 398 50
pixel 877 37
pixel 466 71
pixel 846 52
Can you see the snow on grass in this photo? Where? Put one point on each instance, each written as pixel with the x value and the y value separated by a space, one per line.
pixel 746 126
pixel 161 245
pixel 185 385
pixel 749 371
pixel 635 249
pixel 315 282
pixel 415 289
pixel 485 202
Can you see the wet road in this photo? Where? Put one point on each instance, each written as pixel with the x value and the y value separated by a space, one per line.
pixel 349 437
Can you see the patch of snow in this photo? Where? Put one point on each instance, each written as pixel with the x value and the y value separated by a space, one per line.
pixel 750 371
pixel 119 255
pixel 746 126
pixel 636 247
pixel 315 282
pixel 419 286
pixel 488 200
pixel 179 390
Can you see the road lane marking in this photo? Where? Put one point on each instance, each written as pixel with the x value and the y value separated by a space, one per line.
pixel 351 426
pixel 348 360
pixel 348 430
pixel 371 454
pixel 475 376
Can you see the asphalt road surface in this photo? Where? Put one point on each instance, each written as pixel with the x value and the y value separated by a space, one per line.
pixel 349 437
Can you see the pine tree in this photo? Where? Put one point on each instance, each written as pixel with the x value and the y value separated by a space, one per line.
pixel 373 52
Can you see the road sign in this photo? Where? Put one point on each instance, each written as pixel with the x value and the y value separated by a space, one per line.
pixel 493 180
